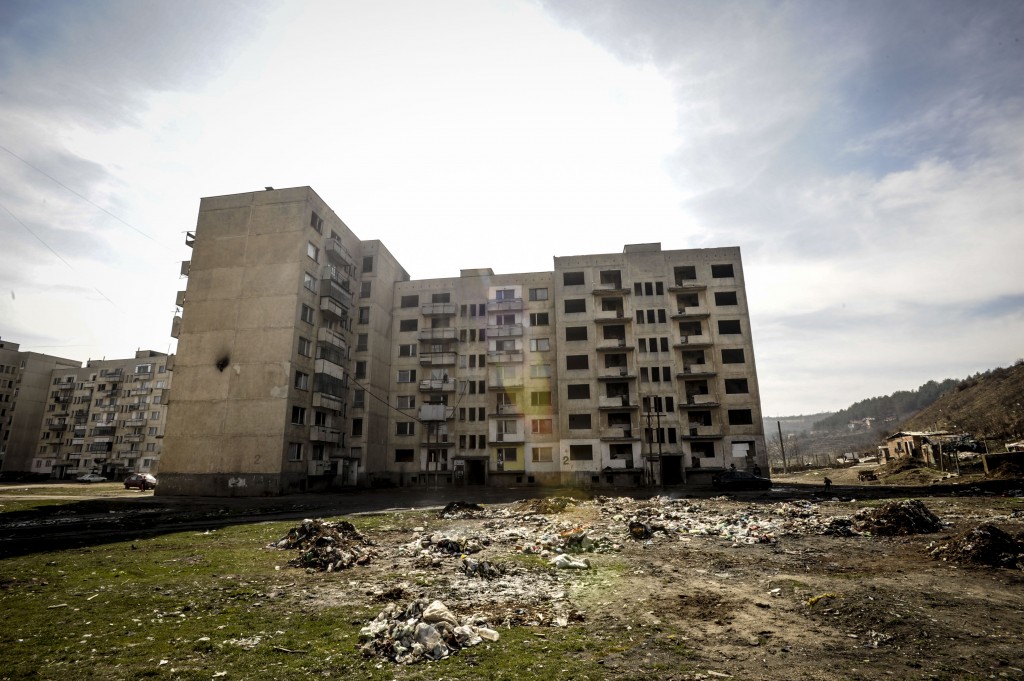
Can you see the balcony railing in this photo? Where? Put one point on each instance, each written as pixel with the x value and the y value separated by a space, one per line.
pixel 436 334
pixel 619 433
pixel 693 341
pixel 612 316
pixel 324 434
pixel 611 344
pixel 702 432
pixel 707 400
pixel 438 359
pixel 611 373
pixel 436 412
pixel 686 285
pixel 134 423
pixel 509 409
pixel 438 309
pixel 609 288
pixel 325 401
pixel 691 312
pixel 505 331
pixel 333 339
pixel 338 253
pixel 705 369
pixel 514 357
pixel 499 382
pixel 506 305
pixel 338 275
pixel 437 385
pixel 331 307
pixel 138 437
pixel 616 402
pixel 503 438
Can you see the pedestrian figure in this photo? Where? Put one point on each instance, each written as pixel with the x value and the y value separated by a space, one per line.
pixel 828 484
pixel 757 470
pixel 732 467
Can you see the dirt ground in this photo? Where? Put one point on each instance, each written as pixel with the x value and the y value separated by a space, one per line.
pixel 741 588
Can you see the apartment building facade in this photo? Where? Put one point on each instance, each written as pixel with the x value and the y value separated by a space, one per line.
pixel 308 358
pixel 107 417
pixel 24 385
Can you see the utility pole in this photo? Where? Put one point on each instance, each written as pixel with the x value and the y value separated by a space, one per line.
pixel 782 446
pixel 659 479
pixel 648 472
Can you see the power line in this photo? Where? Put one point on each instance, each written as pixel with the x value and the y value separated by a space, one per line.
pixel 87 200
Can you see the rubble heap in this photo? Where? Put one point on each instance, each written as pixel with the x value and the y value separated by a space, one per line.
pixel 460 509
pixel 985 545
pixel 326 546
pixel 421 631
pixel 897 518
pixel 548 506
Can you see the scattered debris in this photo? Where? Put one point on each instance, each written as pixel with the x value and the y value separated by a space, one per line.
pixel 459 509
pixel 897 518
pixel 814 599
pixel 326 546
pixel 422 631
pixel 985 545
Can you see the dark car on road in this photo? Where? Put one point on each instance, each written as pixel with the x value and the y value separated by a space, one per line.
pixel 141 481
pixel 740 480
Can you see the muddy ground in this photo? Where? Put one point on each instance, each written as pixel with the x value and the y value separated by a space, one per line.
pixel 742 588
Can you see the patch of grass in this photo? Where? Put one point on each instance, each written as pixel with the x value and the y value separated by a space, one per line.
pixel 18 505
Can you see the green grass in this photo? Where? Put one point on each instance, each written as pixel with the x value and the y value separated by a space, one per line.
pixel 193 604
pixel 15 505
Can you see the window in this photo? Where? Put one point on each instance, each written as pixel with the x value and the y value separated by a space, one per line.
pixel 305 347
pixel 295 451
pixel 307 314
pixel 407 376
pixel 406 401
pixel 726 326
pixel 362 342
pixel 313 251
pixel 507 454
pixel 736 386
pixel 732 356
pixel 540 399
pixel 359 399
pixel 724 298
pixel 404 455
pixel 540 344
pixel 357 427
pixel 364 315
pixel 505 294
pixel 360 369
pixel 579 421
pixel 575 305
pixel 299 416
pixel 407 350
pixel 576 362
pixel 538 319
pixel 542 454
pixel 408 325
pixel 301 380
pixel 410 301
pixel 364 289
pixel 685 273
pixel 405 428
pixel 581 452
pixel 538 294
pixel 309 282
pixel 540 371
pixel 575 333
pixel 572 278
pixel 540 426
pixel 316 222
pixel 721 271
pixel 740 417
pixel 368 263
pixel 154 416
pixel 579 391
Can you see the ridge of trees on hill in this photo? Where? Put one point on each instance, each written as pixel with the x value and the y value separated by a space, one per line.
pixel 895 407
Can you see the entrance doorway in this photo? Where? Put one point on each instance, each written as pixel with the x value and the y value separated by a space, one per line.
pixel 672 470
pixel 476 471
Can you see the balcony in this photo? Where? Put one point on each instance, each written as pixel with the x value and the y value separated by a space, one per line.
pixel 437 385
pixel 693 342
pixel 613 344
pixel 78 440
pixel 139 391
pixel 318 467
pixel 57 425
pixel 176 326
pixel 495 382
pixel 605 316
pixel 438 310
pixel 702 432
pixel 694 312
pixel 687 286
pixel 706 369
pixel 436 359
pixel 186 265
pixel 446 334
pixel 335 275
pixel 330 307
pixel 101 447
pixel 615 373
pixel 609 288
pixel 619 434
pixel 436 412
pixel 513 357
pixel 190 239
pixel 134 423
pixel 700 401
pixel 325 401
pixel 339 254
pixel 137 437
pixel 333 339
pixel 507 305
pixel 616 402
pixel 439 444
pixel 179 299
pixel 505 438
pixel 505 331
pixel 509 410
pixel 325 434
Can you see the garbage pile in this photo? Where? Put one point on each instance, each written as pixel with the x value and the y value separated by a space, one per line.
pixel 430 548
pixel 326 546
pixel 984 545
pixel 460 509
pixel 549 506
pixel 897 518
pixel 421 631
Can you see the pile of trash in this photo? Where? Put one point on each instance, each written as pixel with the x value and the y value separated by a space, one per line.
pixel 430 548
pixel 460 509
pixel 548 506
pixel 897 518
pixel 558 538
pixel 326 546
pixel 421 631
pixel 985 545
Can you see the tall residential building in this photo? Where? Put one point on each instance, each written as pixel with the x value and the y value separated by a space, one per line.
pixel 106 417
pixel 24 385
pixel 308 358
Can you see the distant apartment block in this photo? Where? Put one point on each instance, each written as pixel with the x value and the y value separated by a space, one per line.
pixel 308 358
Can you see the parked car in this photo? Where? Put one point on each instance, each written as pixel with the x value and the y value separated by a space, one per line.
pixel 740 480
pixel 91 477
pixel 141 481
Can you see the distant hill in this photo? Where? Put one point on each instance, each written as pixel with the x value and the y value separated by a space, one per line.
pixel 792 424
pixel 988 405
pixel 887 408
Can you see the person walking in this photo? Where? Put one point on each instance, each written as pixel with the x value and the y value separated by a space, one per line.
pixel 828 485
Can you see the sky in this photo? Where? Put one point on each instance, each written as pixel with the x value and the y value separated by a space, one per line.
pixel 866 156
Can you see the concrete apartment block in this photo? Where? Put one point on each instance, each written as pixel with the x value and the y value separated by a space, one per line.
pixel 309 359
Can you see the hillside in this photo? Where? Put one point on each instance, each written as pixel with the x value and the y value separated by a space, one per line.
pixel 892 408
pixel 988 405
